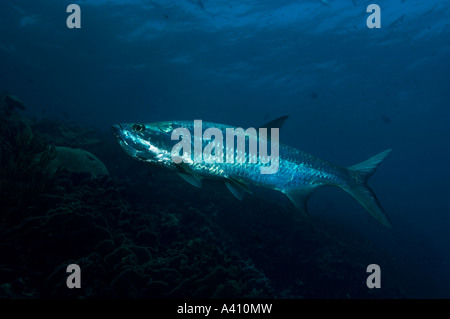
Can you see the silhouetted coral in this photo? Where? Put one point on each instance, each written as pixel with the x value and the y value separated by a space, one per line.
pixel 23 158
pixel 76 161
pixel 143 233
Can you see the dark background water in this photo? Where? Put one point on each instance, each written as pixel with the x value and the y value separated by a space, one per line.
pixel 350 92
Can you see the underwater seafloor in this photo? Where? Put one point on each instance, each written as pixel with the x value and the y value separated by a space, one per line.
pixel 70 195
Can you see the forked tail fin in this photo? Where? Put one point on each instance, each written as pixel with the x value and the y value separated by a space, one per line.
pixel 357 186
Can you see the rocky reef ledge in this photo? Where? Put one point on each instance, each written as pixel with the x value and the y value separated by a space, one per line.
pixel 69 196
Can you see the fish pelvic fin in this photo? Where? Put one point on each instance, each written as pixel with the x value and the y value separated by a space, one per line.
pixel 237 188
pixel 357 187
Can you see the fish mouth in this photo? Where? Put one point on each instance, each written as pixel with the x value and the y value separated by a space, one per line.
pixel 118 132
pixel 125 140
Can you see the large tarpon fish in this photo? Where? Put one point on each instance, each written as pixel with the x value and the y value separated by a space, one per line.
pixel 297 175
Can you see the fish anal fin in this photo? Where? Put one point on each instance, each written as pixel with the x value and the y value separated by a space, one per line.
pixel 299 198
pixel 237 188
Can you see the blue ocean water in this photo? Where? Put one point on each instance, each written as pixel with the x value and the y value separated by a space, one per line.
pixel 350 92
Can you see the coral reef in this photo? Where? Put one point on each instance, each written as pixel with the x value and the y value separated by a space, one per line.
pixel 82 216
pixel 67 134
pixel 139 232
pixel 23 158
pixel 76 160
pixel 9 103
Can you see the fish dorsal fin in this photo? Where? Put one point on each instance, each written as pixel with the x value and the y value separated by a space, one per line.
pixel 277 123
pixel 237 188
pixel 299 198
pixel 186 173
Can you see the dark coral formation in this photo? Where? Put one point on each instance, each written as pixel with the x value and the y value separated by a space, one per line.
pixel 24 157
pixel 143 233
pixel 77 160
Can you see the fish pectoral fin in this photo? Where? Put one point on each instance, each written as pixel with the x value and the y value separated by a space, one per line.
pixel 237 188
pixel 191 179
pixel 299 198
pixel 186 173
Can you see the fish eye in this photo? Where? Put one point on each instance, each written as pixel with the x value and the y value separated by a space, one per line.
pixel 138 128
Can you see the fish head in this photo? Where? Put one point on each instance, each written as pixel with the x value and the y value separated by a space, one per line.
pixel 145 142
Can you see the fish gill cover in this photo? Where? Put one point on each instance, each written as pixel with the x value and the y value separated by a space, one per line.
pixel 70 195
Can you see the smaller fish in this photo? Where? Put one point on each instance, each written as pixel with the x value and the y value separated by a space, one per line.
pixel 386 119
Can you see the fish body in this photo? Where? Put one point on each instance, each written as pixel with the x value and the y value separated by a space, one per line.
pixel 298 173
